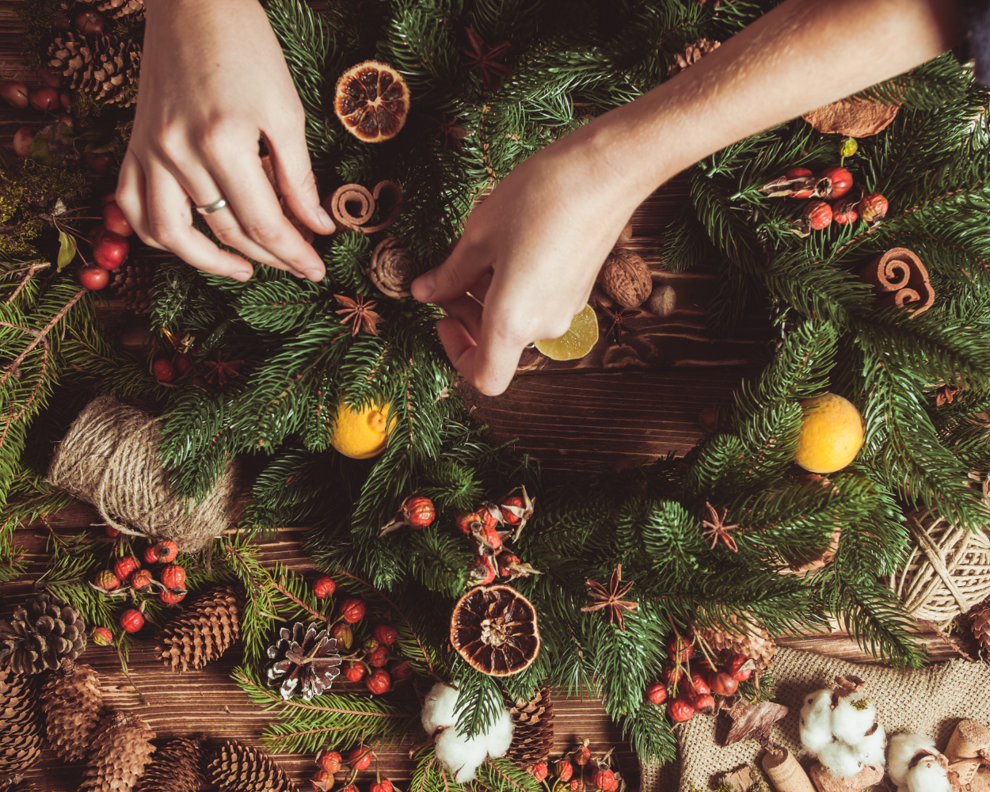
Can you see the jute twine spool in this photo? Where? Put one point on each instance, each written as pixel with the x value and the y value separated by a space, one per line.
pixel 108 458
pixel 947 571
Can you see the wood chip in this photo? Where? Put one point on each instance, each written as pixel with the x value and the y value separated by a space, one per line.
pixel 754 721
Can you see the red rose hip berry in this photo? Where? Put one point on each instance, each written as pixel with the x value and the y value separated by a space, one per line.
pixel 817 215
pixel 126 566
pixel 132 620
pixel 724 684
pixel 680 710
pixel 106 580
pixel 163 552
pixel 679 649
pixel 386 634
pixel 514 503
pixel 352 610
pixel 163 371
pixel 360 758
pixel 603 778
pixel 833 183
pixel 705 703
pixel 355 671
pixel 141 580
pixel 656 693
pixel 377 657
pixel 845 212
pixel 324 586
pixel 805 176
pixel 102 636
pixel 330 761
pixel 539 771
pixel 402 671
pixel 873 208
pixel 382 786
pixel 172 597
pixel 419 511
pixel 564 770
pixel 174 577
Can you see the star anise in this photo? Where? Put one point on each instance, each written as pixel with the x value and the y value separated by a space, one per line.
pixel 610 599
pixel 487 61
pixel 358 314
pixel 619 318
pixel 221 371
pixel 717 529
pixel 448 133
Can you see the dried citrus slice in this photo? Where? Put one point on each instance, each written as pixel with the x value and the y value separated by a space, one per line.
pixel 494 628
pixel 577 342
pixel 372 101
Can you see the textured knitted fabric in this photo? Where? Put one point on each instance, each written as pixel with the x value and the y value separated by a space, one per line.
pixel 928 701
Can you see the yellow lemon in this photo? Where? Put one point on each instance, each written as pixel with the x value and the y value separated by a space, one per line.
pixel 831 434
pixel 361 434
pixel 577 342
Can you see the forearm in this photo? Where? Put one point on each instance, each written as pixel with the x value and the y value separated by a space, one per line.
pixel 800 56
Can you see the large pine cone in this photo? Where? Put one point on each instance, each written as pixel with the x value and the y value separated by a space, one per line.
pixel 21 729
pixel 240 768
pixel 202 631
pixel 131 284
pixel 178 767
pixel 115 9
pixel 104 67
pixel 41 634
pixel 73 704
pixel 304 661
pixel 532 736
pixel 121 750
pixel 756 644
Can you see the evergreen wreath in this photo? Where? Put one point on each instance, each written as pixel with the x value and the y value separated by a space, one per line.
pixel 568 61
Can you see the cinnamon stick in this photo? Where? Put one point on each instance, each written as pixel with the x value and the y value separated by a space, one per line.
pixel 900 279
pixel 351 205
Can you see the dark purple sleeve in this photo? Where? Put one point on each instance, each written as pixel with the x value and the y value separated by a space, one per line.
pixel 976 16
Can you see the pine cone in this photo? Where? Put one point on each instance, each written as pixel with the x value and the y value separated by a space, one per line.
pixel 73 705
pixel 21 730
pixel 178 767
pixel 304 661
pixel 981 627
pixel 240 768
pixel 532 738
pixel 131 284
pixel 40 635
pixel 104 67
pixel 115 9
pixel 692 54
pixel 121 750
pixel 23 786
pixel 202 631
pixel 757 644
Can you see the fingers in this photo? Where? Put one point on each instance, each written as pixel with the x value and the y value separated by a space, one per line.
pixel 457 275
pixel 158 208
pixel 297 184
pixel 488 365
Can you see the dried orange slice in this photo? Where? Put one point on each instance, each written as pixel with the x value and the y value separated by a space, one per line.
pixel 494 628
pixel 577 342
pixel 372 101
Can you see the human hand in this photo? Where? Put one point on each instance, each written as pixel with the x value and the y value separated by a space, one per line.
pixel 213 79
pixel 528 258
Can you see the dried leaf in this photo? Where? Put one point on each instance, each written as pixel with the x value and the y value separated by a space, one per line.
pixel 754 721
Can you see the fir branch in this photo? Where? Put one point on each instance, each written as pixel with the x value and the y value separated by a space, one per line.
pixel 501 775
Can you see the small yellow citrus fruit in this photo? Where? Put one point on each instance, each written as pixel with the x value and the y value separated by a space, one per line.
pixel 361 434
pixel 832 433
pixel 577 342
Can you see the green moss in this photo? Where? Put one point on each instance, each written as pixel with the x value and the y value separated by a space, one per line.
pixel 29 194
pixel 39 17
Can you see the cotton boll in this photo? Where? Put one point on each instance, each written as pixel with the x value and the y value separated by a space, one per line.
pixel 852 718
pixel 459 755
pixel 903 747
pixel 816 718
pixel 438 708
pixel 928 776
pixel 840 759
pixel 499 737
pixel 869 750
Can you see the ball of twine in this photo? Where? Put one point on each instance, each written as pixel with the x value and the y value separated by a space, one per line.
pixel 108 458
pixel 947 571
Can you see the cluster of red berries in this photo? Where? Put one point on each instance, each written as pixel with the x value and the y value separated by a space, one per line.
pixel 372 663
pixel 833 184
pixel 128 576
pixel 590 773
pixel 110 246
pixel 165 370
pixel 331 762
pixel 490 526
pixel 686 691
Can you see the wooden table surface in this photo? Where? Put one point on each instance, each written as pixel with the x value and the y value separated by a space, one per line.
pixel 574 422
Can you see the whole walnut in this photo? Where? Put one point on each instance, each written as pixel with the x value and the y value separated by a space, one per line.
pixel 626 278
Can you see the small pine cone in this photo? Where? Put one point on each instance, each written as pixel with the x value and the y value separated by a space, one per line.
pixel 981 627
pixel 131 284
pixel 40 634
pixel 757 644
pixel 104 67
pixel 240 768
pixel 532 736
pixel 203 631
pixel 692 54
pixel 121 750
pixel 73 705
pixel 21 728
pixel 115 9
pixel 23 786
pixel 178 767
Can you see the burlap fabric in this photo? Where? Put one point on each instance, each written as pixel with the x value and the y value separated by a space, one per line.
pixel 928 701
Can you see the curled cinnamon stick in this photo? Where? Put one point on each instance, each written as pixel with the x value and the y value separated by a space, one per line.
pixel 900 279
pixel 386 194
pixel 351 205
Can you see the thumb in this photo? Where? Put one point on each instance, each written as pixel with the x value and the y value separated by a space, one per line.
pixel 462 269
pixel 297 184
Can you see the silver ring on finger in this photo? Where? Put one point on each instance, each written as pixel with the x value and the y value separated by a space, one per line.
pixel 210 208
